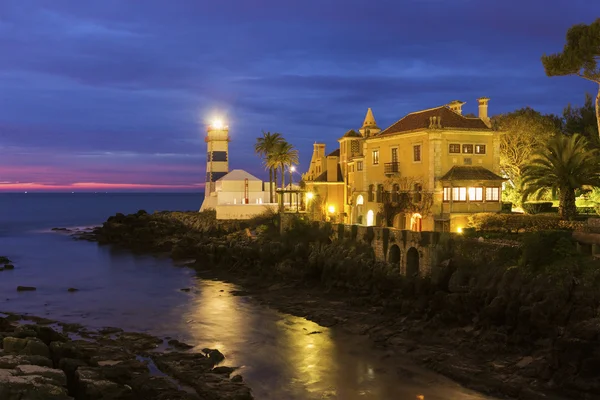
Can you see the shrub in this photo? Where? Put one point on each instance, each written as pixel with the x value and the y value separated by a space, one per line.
pixel 492 222
pixel 586 210
pixel 537 207
pixel 507 207
pixel 543 248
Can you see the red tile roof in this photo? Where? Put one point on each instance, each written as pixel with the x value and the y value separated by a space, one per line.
pixel 466 173
pixel 421 120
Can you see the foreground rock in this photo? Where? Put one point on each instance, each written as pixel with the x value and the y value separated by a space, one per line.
pixel 39 363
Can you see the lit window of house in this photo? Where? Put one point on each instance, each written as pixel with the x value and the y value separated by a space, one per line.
pixel 417 153
pixel 375 157
pixel 447 194
pixel 454 148
pixel 467 148
pixel 492 194
pixel 480 149
pixel 459 194
pixel 475 194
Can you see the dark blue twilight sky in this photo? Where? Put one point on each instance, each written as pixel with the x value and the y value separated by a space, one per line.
pixel 115 94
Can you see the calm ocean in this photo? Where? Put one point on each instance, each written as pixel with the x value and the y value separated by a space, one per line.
pixel 22 212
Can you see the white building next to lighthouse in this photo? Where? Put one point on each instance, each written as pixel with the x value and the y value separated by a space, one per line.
pixel 234 194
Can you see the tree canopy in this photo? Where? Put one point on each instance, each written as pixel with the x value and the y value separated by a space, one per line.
pixel 582 120
pixel 580 57
pixel 522 132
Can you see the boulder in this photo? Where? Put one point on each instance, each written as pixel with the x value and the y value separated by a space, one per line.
pixel 90 385
pixel 214 355
pixel 9 266
pixel 13 345
pixel 30 387
pixel 12 361
pixel 35 347
pixel 55 375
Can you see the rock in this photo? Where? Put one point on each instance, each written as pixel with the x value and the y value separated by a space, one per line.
pixel 179 345
pixel 9 266
pixel 237 378
pixel 35 347
pixel 12 361
pixel 71 290
pixel 12 345
pixel 30 387
pixel 25 288
pixel 55 375
pixel 90 385
pixel 185 289
pixel 525 361
pixel 109 330
pixel 214 355
pixel 223 370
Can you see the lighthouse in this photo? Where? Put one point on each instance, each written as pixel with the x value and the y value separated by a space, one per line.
pixel 217 160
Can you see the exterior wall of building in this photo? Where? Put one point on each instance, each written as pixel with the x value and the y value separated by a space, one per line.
pixel 246 211
pixel 437 154
pixel 231 197
pixel 327 195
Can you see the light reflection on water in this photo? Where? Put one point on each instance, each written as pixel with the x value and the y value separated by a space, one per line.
pixel 280 355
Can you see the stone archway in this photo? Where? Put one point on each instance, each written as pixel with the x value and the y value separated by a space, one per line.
pixel 412 262
pixel 394 256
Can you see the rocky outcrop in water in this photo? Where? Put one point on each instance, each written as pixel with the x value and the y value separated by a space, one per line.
pixel 44 361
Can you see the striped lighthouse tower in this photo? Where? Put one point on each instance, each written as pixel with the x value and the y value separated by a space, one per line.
pixel 217 160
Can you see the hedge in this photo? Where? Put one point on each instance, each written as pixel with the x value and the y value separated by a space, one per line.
pixel 537 207
pixel 520 223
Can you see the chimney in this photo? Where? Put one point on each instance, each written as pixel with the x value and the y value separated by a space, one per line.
pixel 483 110
pixel 456 106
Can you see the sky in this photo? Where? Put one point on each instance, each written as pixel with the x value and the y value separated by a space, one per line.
pixel 116 95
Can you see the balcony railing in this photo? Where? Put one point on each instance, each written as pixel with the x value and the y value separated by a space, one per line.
pixel 391 167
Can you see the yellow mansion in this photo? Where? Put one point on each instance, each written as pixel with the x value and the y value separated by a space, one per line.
pixel 428 171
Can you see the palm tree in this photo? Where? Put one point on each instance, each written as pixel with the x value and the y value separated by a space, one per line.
pixel 265 147
pixel 286 156
pixel 565 164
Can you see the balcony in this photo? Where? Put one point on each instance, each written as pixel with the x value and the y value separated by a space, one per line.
pixel 391 168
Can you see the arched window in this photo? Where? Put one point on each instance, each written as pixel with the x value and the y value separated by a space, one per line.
pixel 360 200
pixel 370 218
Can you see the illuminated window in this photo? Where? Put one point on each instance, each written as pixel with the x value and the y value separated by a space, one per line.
pixel 492 194
pixel 359 165
pixel 467 149
pixel 417 153
pixel 459 194
pixel 475 194
pixel 447 194
pixel 454 148
pixel 480 149
pixel 375 157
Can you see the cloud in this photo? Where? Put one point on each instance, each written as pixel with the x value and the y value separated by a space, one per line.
pixel 102 91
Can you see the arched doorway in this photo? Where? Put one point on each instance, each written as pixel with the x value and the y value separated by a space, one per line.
pixel 370 218
pixel 415 222
pixel 394 256
pixel 412 262
pixel 358 209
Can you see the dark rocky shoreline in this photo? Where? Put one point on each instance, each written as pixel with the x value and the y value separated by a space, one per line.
pixel 530 332
pixel 41 359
